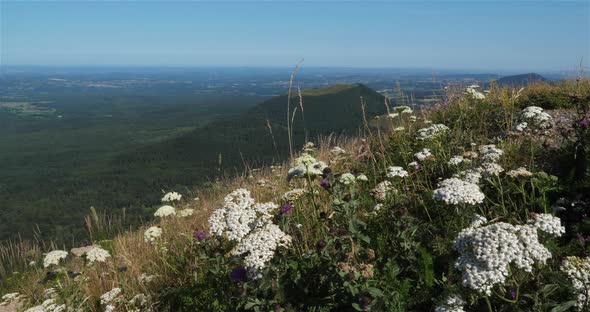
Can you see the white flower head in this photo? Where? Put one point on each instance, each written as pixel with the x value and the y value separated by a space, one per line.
pixel 347 179
pixel 423 155
pixel 54 257
pixel 395 171
pixel 152 234
pixel 185 213
pixel 432 131
pixel 454 192
pixel 456 160
pixel 97 254
pixel 165 211
pixel 111 296
pixel 171 197
pixel 578 272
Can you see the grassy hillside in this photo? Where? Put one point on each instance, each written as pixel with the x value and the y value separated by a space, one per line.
pixel 461 207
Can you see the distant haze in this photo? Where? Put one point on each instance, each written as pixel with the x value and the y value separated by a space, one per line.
pixel 508 35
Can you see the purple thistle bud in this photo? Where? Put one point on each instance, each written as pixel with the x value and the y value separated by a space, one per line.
pixel 324 183
pixel 199 235
pixel 584 123
pixel 238 275
pixel 286 208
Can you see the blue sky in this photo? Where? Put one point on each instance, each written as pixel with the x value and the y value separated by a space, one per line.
pixel 500 35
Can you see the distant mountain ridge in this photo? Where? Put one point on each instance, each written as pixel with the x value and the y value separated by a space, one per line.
pixel 520 80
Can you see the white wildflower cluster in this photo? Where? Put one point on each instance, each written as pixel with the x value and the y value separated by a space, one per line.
pixel 347 179
pixel 395 171
pixel 49 305
pixel 453 303
pixel 362 177
pixel 165 211
pixel 185 213
pixel 263 182
pixel 97 254
pixel 337 151
pixel 110 298
pixel 454 191
pixel 547 223
pixel 488 251
pixel 456 160
pixel 533 118
pixel 490 169
pixel 11 297
pixel 490 153
pixel 249 224
pixel 309 147
pixel 431 132
pixel 382 189
pixel 293 195
pixel 171 197
pixel 152 234
pixel 578 272
pixel 54 257
pixel 392 115
pixel 260 246
pixel 403 110
pixel 472 91
pixel 423 154
pixel 521 172
pixel 305 165
pixel 146 278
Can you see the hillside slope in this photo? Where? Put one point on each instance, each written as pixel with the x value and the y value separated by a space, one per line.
pixel 520 80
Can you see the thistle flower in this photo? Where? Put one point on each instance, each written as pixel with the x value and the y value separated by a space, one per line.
pixel 239 275
pixel 54 257
pixel 199 235
pixel 286 208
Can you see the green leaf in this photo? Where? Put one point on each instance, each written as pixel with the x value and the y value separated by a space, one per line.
pixel 356 306
pixel 564 306
pixel 375 292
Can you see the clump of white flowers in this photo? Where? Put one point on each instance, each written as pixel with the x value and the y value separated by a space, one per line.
pixel 109 298
pixel 362 177
pixel 48 305
pixel 382 189
pixel 521 172
pixel 306 165
pixel 490 153
pixel 533 118
pixel 547 223
pixel 455 160
pixel 432 131
pixel 488 251
pixel 578 272
pixel 260 246
pixel 403 109
pixel 250 225
pixel 309 147
pixel 453 303
pixel 347 179
pixel 454 191
pixel 423 154
pixel 337 151
pixel 490 169
pixel 54 257
pixel 171 197
pixel 395 171
pixel 185 213
pixel 97 254
pixel 165 211
pixel 152 234
pixel 472 91
pixel 11 297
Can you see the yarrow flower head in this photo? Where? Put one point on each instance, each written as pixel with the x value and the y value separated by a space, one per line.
pixel 547 223
pixel 453 303
pixel 490 169
pixel 382 189
pixel 490 153
pixel 454 191
pixel 456 160
pixel 152 234
pixel 488 251
pixel 403 109
pixel 260 245
pixel 54 257
pixel 423 155
pixel 110 296
pixel 395 171
pixel 347 179
pixel 171 197
pixel 165 211
pixel 473 92
pixel 97 254
pixel 305 165
pixel 432 131
pixel 534 118
pixel 578 272
pixel 519 173
pixel 293 195
pixel 185 213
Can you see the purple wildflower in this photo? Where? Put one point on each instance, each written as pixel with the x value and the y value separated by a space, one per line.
pixel 239 275
pixel 286 208
pixel 199 235
pixel 583 123
pixel 324 183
